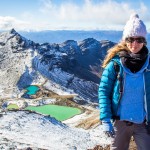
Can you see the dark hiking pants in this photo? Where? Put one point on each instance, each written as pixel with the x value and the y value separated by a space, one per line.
pixel 123 133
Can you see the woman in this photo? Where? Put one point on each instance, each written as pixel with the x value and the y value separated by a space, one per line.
pixel 124 94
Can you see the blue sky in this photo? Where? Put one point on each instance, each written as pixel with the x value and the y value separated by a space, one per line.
pixel 71 14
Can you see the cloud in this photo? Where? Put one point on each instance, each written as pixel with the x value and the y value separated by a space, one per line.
pixel 108 15
pixel 8 22
pixel 103 14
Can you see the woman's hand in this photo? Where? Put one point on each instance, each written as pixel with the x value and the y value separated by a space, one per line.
pixel 108 128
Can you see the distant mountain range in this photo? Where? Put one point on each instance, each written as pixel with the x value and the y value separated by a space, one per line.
pixel 60 36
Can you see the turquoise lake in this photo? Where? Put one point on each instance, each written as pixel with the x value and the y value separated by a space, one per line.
pixel 32 89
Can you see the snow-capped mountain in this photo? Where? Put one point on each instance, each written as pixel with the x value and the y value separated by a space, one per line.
pixel 16 54
pixel 73 64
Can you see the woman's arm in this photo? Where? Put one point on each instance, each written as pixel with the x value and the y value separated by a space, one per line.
pixel 105 92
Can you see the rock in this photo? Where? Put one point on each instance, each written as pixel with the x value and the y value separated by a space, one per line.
pixel 73 65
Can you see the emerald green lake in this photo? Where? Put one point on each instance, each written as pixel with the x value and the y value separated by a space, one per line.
pixel 59 112
pixel 32 89
pixel 12 106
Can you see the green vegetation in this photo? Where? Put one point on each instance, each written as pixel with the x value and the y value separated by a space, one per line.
pixel 32 89
pixel 59 112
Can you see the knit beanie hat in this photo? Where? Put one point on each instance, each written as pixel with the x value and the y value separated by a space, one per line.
pixel 134 27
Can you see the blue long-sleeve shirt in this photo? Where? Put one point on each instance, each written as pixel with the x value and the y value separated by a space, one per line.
pixel 132 106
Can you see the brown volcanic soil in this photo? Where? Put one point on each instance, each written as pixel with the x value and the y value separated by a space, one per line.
pixel 98 147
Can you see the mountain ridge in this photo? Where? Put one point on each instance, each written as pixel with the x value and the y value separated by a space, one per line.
pixel 72 64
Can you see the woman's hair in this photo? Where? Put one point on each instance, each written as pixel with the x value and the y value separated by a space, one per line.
pixel 113 51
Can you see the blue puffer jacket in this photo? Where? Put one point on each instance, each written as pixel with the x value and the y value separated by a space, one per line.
pixel 109 95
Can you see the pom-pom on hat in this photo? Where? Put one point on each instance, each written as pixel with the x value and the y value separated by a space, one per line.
pixel 134 27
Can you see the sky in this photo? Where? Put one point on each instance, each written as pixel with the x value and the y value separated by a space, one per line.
pixel 37 15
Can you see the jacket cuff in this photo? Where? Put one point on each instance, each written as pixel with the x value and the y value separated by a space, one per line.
pixel 107 125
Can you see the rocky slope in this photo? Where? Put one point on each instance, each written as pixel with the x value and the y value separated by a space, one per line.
pixel 25 130
pixel 73 65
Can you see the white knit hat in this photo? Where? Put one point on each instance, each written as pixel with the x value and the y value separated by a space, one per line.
pixel 134 27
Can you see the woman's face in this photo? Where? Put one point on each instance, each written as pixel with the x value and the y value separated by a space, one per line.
pixel 135 43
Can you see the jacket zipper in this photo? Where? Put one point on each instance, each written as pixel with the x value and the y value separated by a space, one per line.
pixel 121 89
pixel 145 103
